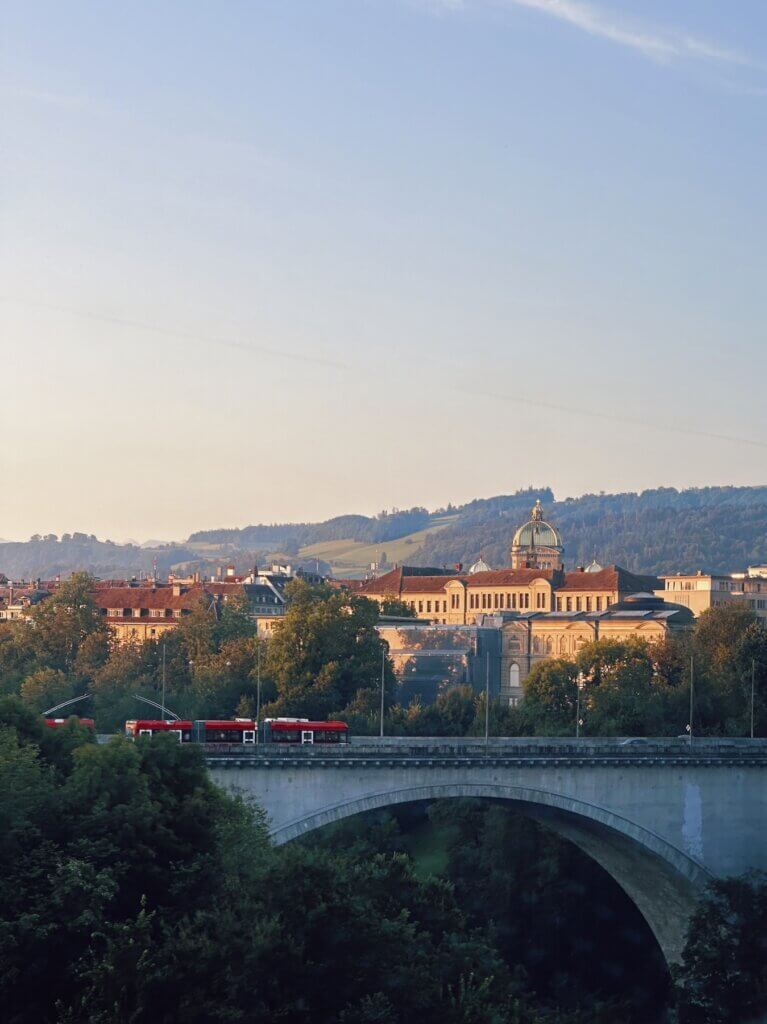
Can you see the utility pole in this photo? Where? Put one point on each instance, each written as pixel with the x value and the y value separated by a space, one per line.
pixel 753 676
pixel 383 676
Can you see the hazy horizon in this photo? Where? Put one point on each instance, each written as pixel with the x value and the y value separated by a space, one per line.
pixel 255 520
pixel 284 261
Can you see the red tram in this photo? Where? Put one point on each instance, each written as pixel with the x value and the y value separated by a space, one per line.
pixel 302 730
pixel 242 731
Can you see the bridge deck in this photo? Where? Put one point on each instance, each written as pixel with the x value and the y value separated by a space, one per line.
pixel 442 753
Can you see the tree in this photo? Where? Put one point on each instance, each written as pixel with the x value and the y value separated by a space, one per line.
pixel 723 976
pixel 46 688
pixel 719 631
pixel 63 622
pixel 622 695
pixel 551 696
pixel 324 650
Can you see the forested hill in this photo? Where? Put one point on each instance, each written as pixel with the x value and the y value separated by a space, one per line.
pixel 716 528
pixel 722 529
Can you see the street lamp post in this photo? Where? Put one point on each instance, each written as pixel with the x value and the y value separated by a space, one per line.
pixel 579 684
pixel 383 676
pixel 753 675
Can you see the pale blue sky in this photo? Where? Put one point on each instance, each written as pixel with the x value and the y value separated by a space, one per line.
pixel 282 259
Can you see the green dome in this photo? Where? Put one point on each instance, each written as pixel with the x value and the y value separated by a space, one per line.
pixel 537 534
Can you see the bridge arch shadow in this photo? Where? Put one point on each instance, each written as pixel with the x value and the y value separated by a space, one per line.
pixel 662 881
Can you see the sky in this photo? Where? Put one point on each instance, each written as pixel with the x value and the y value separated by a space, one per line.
pixel 271 260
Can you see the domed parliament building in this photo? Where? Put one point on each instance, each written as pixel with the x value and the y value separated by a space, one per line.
pixel 541 609
pixel 537 544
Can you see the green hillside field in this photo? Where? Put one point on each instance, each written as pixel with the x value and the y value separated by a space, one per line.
pixel 352 558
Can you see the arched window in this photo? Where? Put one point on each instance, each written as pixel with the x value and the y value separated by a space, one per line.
pixel 563 645
pixel 514 675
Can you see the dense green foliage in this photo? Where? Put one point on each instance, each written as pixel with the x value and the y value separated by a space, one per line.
pixel 723 977
pixel 326 655
pixel 575 945
pixel 132 890
pixel 632 688
pixel 324 660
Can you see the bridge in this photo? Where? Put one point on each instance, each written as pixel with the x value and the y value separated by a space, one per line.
pixel 663 817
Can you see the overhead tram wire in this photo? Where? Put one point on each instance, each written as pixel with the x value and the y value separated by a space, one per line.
pixel 633 421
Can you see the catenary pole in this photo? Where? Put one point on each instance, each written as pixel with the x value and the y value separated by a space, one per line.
pixel 383 675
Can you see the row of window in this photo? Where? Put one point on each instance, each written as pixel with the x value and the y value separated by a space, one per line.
pixel 428 606
pixel 565 645
pixel 513 601
pixel 144 613
pixel 516 600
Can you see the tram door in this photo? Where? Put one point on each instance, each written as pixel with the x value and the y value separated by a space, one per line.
pixel 307 736
pixel 176 732
pixel 249 736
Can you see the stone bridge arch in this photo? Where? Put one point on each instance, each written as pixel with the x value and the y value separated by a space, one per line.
pixel 661 879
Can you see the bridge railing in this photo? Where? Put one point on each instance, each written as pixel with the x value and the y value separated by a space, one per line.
pixel 398 747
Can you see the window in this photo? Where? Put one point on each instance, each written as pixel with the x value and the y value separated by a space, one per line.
pixel 588 604
pixel 444 605
pixel 500 600
pixel 569 604
pixel 598 602
pixel 577 604
pixel 420 606
pixel 428 606
pixel 527 600
pixel 495 600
